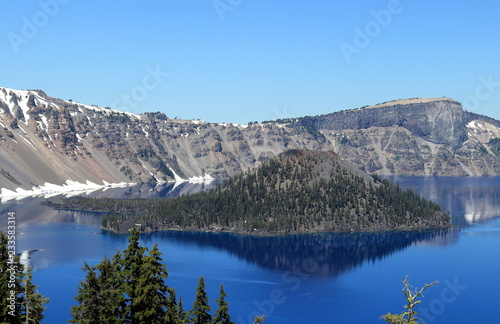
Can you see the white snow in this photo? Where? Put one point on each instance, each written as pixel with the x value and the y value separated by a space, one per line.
pixel 475 125
pixel 44 120
pixel 50 189
pixel 50 137
pixel 176 176
pixel 147 134
pixel 206 178
pixel 104 110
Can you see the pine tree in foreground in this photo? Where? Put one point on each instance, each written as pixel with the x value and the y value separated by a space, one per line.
pixel 132 261
pixel 222 313
pixel 131 288
pixel 151 291
pixel 33 300
pixel 182 317
pixel 200 314
pixel 87 311
pixel 111 299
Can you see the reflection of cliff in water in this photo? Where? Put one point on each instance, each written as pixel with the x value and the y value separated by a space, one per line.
pixel 319 255
pixel 29 210
pixel 468 199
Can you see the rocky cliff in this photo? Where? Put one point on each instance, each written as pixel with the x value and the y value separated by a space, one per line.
pixel 45 140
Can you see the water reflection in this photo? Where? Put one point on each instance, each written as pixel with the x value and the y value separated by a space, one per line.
pixel 319 255
pixel 29 210
pixel 468 199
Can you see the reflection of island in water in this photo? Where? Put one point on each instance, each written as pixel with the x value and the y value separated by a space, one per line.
pixel 468 200
pixel 319 255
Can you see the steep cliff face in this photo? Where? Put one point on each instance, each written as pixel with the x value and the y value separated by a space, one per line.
pixel 49 140
pixel 434 120
pixel 414 137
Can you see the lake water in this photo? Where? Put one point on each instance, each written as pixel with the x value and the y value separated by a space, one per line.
pixel 320 278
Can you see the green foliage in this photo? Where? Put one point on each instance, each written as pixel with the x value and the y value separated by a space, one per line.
pixel 88 310
pixel 33 301
pixel 152 292
pixel 131 288
pixel 200 314
pixel 410 315
pixel 296 192
pixel 27 303
pixel 222 313
pixel 132 263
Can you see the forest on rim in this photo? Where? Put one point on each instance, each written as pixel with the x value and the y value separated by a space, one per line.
pixel 295 192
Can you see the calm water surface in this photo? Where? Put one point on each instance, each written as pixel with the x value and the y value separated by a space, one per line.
pixel 321 278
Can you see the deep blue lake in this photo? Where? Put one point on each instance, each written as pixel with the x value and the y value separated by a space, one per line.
pixel 320 278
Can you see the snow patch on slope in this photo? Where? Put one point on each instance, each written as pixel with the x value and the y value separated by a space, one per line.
pixel 50 189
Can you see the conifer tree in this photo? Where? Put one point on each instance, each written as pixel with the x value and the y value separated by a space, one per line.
pixel 182 317
pixel 200 314
pixel 151 299
pixel 133 259
pixel 222 313
pixel 87 311
pixel 100 296
pixel 33 300
pixel 172 308
pixel 111 300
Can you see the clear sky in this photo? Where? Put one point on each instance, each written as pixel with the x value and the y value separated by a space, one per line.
pixel 253 60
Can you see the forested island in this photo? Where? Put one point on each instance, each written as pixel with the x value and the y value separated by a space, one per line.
pixel 296 192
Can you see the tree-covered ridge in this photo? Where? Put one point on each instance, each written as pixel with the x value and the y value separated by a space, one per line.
pixel 296 192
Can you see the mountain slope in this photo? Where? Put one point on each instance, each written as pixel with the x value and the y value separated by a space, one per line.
pixel 49 140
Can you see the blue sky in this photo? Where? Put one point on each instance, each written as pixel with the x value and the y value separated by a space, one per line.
pixel 253 60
